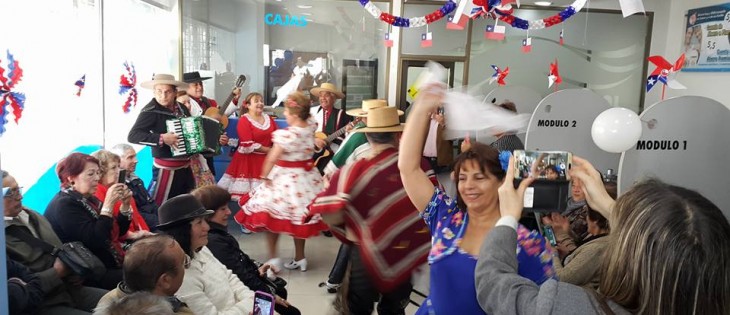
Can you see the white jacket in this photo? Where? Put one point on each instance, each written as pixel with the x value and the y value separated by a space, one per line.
pixel 209 288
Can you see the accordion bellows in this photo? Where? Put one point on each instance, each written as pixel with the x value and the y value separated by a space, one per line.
pixel 198 134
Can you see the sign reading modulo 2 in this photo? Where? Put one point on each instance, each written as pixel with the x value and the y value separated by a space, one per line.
pixel 556 123
pixel 287 20
pixel 664 145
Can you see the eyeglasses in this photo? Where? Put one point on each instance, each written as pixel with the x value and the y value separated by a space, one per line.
pixel 186 262
pixel 9 193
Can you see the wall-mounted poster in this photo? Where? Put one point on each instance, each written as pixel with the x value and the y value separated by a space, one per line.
pixel 706 42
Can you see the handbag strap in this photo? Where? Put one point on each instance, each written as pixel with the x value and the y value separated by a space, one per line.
pixel 24 236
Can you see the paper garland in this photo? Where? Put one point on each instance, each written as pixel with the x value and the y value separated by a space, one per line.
pixel 398 21
pixel 503 12
pixel 8 96
pixel 127 83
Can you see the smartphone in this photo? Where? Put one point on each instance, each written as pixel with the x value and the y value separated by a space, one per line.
pixel 122 176
pixel 543 165
pixel 263 303
pixel 549 234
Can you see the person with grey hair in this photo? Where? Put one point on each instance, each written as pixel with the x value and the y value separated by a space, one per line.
pixel 138 303
pixel 145 204
pixel 63 293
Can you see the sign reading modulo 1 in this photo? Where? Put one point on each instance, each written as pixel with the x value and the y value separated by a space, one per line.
pixel 556 123
pixel 286 20
pixel 665 145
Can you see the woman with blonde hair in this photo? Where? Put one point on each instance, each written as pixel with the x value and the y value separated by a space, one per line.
pixel 290 184
pixel 668 253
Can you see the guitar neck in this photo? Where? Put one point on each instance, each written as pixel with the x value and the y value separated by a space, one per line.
pixel 338 133
pixel 222 109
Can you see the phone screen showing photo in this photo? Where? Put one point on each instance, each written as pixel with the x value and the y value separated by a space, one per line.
pixel 543 165
pixel 263 305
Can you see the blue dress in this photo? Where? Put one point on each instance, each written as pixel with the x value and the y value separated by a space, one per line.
pixel 452 288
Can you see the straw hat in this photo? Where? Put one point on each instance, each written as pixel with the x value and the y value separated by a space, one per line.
pixel 327 87
pixel 162 78
pixel 368 105
pixel 382 119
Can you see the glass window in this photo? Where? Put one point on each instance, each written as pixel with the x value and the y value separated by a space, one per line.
pixel 445 42
pixel 608 62
pixel 303 43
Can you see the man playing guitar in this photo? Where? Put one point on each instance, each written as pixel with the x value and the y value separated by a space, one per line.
pixel 195 92
pixel 329 119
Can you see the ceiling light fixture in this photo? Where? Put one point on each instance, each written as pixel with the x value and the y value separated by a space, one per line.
pixel 543 3
pixel 307 13
pixel 304 6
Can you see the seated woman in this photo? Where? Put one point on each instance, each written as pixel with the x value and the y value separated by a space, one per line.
pixel 208 287
pixel 109 167
pixel 76 215
pixel 226 249
pixel 579 266
pixel 668 253
pixel 459 226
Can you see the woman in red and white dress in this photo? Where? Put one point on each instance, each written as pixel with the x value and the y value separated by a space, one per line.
pixel 255 130
pixel 291 183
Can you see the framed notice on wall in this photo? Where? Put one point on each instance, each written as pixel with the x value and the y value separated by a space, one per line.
pixel 706 43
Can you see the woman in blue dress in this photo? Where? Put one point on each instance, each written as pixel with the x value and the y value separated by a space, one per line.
pixel 458 227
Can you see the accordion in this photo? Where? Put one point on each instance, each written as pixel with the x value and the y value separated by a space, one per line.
pixel 195 135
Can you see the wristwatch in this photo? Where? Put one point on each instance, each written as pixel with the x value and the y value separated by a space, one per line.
pixel 106 211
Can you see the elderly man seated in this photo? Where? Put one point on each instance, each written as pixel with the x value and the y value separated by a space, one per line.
pixel 24 229
pixel 155 264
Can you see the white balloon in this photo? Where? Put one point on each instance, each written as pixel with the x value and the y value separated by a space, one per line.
pixel 616 130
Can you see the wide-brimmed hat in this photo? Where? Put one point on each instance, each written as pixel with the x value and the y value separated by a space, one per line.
pixel 327 87
pixel 192 77
pixel 368 105
pixel 382 119
pixel 179 209
pixel 162 78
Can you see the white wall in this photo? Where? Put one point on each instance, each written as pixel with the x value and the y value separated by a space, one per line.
pixel 709 84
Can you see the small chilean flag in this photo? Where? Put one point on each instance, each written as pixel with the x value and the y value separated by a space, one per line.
pixel 527 45
pixel 495 32
pixel 561 38
pixel 80 83
pixel 426 39
pixel 458 25
pixel 388 40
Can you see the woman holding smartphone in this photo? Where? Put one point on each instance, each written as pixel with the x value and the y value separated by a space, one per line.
pixel 459 225
pixel 111 174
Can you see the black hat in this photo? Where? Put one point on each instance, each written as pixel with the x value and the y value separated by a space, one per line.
pixel 180 209
pixel 192 77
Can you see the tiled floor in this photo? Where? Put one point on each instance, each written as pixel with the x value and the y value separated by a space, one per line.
pixel 304 292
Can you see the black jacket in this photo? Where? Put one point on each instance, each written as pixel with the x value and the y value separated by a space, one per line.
pixel 23 298
pixel 225 248
pixel 151 124
pixel 145 204
pixel 72 222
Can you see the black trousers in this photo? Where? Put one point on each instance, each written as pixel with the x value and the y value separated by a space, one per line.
pixel 362 294
pixel 340 267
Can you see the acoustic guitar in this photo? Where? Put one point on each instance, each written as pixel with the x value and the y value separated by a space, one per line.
pixel 219 113
pixel 322 156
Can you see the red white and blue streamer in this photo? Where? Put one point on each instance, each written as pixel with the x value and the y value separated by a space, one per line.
pixel 501 9
pixel 9 97
pixel 127 85
pixel 398 21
